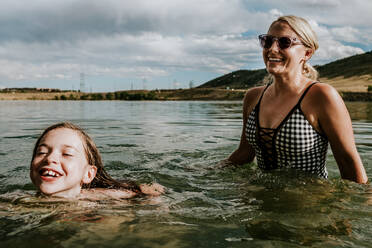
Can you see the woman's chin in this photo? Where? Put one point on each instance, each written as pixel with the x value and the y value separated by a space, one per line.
pixel 275 71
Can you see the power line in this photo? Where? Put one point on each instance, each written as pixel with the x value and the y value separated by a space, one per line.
pixel 82 82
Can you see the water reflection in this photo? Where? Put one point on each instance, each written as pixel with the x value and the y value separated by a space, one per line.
pixel 174 144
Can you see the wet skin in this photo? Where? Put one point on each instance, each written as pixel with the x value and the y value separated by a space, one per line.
pixel 60 166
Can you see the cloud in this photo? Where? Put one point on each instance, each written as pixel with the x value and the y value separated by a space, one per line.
pixel 332 50
pixel 45 21
pixel 318 3
pixel 347 33
pixel 127 56
pixel 126 38
pixel 331 40
pixel 46 40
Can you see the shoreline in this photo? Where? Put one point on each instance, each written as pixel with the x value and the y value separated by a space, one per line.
pixel 195 94
pixel 130 95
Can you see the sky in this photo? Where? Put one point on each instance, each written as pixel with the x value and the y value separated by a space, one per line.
pixel 116 45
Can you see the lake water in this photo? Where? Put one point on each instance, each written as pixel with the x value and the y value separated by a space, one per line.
pixel 176 144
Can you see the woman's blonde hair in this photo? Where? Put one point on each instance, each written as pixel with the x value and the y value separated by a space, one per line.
pixel 308 37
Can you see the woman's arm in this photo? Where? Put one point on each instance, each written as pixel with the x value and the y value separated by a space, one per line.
pixel 334 120
pixel 245 152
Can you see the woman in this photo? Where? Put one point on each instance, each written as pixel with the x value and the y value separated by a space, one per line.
pixel 289 122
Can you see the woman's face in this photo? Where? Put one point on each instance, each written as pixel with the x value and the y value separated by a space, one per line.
pixel 60 166
pixel 284 62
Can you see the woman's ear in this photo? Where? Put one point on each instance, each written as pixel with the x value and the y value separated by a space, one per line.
pixel 308 54
pixel 90 174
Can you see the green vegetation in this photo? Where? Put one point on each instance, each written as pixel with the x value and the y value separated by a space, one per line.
pixel 119 95
pixel 72 97
pixel 109 96
pixel 124 95
pixel 231 86
pixel 356 96
pixel 200 94
pixel 180 94
pixel 242 79
pixel 358 65
pixel 33 90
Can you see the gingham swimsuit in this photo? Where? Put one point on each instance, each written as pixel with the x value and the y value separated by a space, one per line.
pixel 293 144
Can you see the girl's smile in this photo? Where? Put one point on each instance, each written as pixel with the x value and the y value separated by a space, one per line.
pixel 65 160
pixel 60 166
pixel 49 174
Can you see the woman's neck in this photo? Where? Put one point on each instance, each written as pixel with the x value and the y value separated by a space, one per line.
pixel 289 84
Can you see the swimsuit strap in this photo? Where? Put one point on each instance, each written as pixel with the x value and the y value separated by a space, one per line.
pixel 303 94
pixel 263 92
pixel 297 106
pixel 299 101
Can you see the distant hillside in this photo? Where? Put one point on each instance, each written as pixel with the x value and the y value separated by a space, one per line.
pixel 357 65
pixel 241 79
pixel 348 74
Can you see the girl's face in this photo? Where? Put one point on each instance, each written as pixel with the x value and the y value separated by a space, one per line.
pixel 282 62
pixel 60 166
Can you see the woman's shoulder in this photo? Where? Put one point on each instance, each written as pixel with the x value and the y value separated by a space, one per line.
pixel 255 91
pixel 322 99
pixel 252 96
pixel 323 93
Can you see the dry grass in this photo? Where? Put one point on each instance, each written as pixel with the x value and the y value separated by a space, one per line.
pixel 351 84
pixel 201 94
pixel 34 95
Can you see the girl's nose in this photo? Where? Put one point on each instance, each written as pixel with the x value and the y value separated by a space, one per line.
pixel 52 157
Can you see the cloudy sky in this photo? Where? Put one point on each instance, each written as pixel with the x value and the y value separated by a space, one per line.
pixel 152 44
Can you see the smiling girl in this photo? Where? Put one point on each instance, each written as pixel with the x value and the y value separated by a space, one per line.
pixel 66 163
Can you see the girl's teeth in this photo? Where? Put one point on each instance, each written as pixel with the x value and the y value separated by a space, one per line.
pixel 49 173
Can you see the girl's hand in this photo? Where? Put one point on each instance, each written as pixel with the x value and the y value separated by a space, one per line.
pixel 153 189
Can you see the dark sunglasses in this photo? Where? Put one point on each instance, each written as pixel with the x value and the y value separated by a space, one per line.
pixel 266 41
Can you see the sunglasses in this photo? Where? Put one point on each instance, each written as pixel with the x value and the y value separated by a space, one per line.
pixel 284 42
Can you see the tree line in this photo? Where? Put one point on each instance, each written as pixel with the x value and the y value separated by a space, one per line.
pixel 151 95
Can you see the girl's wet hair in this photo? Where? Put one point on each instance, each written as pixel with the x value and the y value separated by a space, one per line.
pixel 102 178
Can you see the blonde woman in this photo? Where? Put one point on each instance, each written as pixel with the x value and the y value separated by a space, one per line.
pixel 289 122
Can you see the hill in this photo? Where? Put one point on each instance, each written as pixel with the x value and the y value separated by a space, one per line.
pixel 357 65
pixel 241 79
pixel 351 76
pixel 348 74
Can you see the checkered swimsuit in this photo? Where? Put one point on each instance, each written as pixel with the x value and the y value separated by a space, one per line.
pixel 293 144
